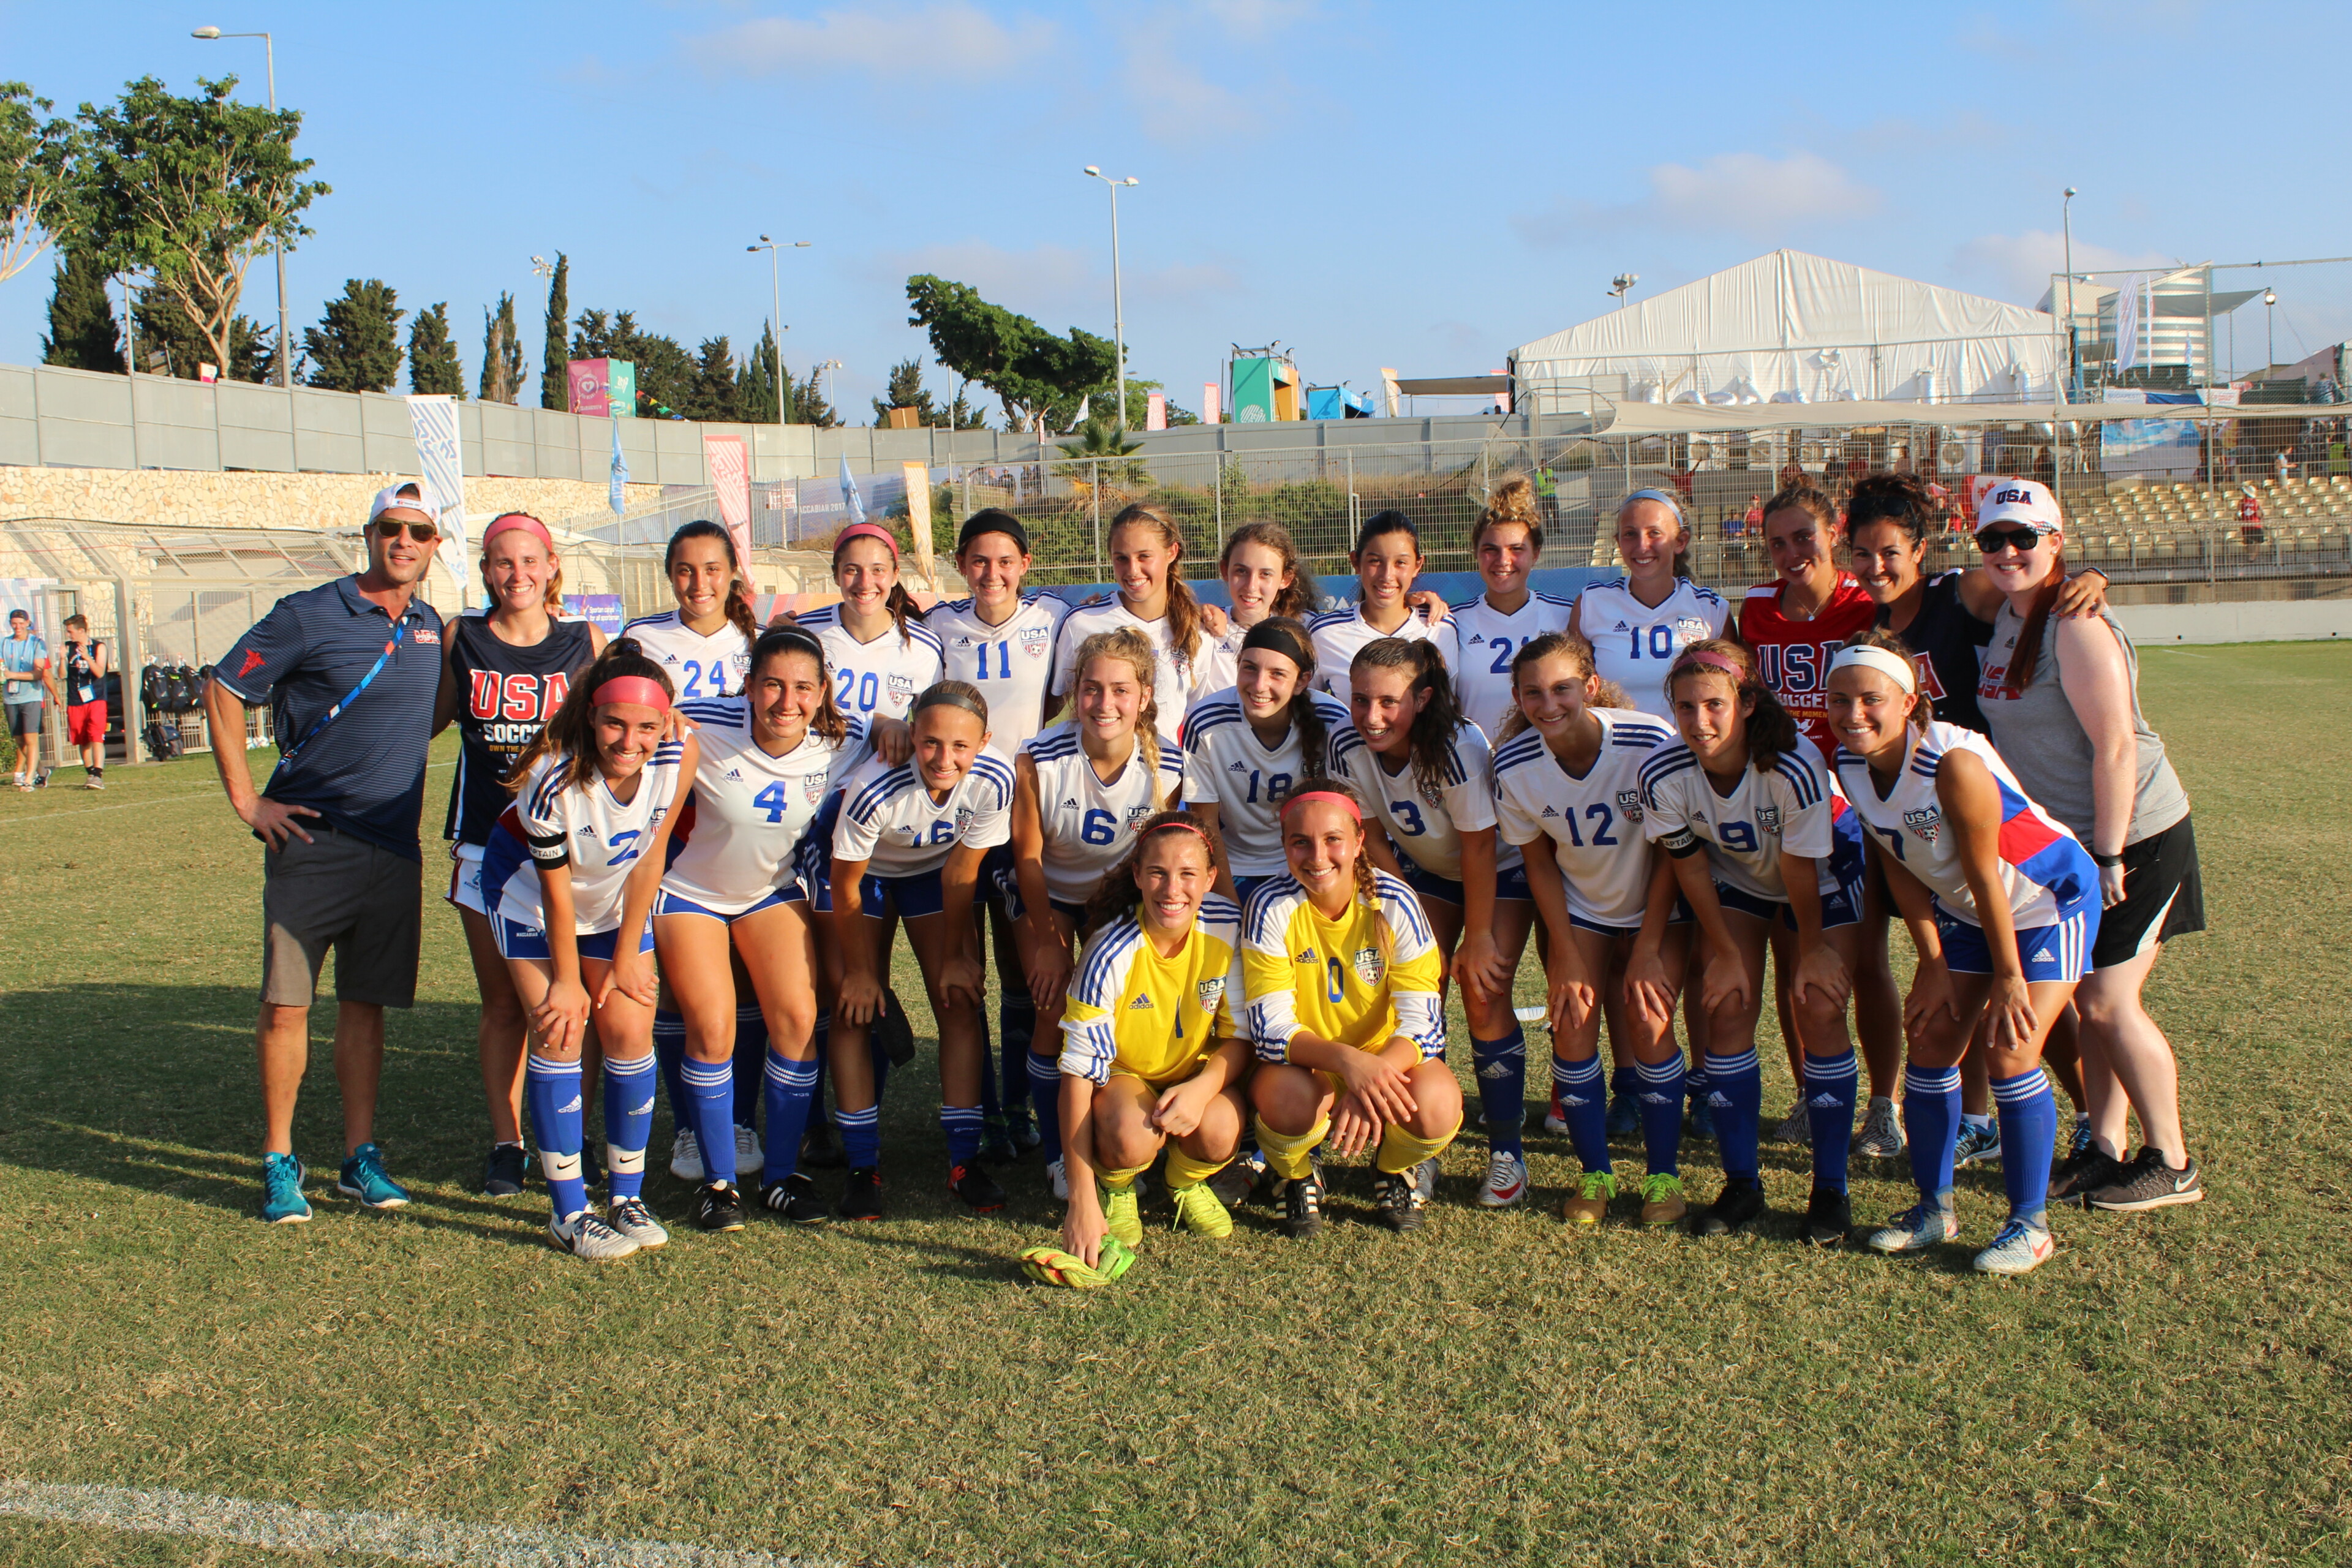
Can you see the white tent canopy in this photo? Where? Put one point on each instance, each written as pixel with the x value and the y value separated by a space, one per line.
pixel 1793 328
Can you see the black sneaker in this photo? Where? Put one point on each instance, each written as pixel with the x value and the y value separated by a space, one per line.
pixel 1829 1217
pixel 1399 1199
pixel 976 1187
pixel 2084 1171
pixel 819 1149
pixel 718 1207
pixel 861 1198
pixel 1302 1204
pixel 1738 1204
pixel 996 1141
pixel 503 1171
pixel 1235 1183
pixel 793 1198
pixel 2147 1183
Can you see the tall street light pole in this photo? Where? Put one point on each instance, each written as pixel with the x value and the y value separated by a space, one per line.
pixel 2073 357
pixel 1117 309
pixel 776 288
pixel 270 58
pixel 2270 331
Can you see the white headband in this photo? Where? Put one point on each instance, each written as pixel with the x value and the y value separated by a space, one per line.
pixel 1894 666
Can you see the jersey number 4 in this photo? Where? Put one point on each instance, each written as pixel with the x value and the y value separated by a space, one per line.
pixel 772 801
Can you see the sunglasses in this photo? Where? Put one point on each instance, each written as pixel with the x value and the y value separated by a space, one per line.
pixel 423 533
pixel 2023 540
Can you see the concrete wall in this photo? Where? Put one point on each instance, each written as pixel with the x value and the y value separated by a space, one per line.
pixel 206 501
pixel 2261 620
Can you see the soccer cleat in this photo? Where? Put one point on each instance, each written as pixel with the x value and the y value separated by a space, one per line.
pixel 1624 1117
pixel 1120 1215
pixel 1554 1122
pixel 632 1219
pixel 1588 1204
pixel 1058 1174
pixel 793 1198
pixel 1022 1127
pixel 686 1156
pixel 93 782
pixel 976 1187
pixel 1050 1265
pixel 2087 1169
pixel 1829 1217
pixel 1916 1228
pixel 502 1173
pixel 1507 1180
pixel 1797 1127
pixel 1198 1211
pixel 363 1178
pixel 1234 1185
pixel 282 1202
pixel 589 1238
pixel 749 1153
pixel 1737 1206
pixel 996 1141
pixel 719 1205
pixel 1976 1145
pixel 1399 1199
pixel 1883 1137
pixel 1700 1127
pixel 2019 1249
pixel 820 1151
pixel 2147 1183
pixel 1662 1201
pixel 1302 1204
pixel 861 1195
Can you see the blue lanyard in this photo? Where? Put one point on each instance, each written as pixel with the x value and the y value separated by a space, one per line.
pixel 399 630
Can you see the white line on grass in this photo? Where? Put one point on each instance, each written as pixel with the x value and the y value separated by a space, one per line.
pixel 411 1538
pixel 213 794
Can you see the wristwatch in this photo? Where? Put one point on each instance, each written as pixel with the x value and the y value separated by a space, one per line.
pixel 2104 860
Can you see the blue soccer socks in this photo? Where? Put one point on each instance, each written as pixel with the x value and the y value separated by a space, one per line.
pixel 1584 1105
pixel 1661 1092
pixel 962 1124
pixel 553 1091
pixel 2029 1126
pixel 1931 1110
pixel 669 1050
pixel 1017 1022
pixel 1502 1068
pixel 630 1089
pixel 710 1090
pixel 861 1137
pixel 788 1087
pixel 1735 1092
pixel 1046 1098
pixel 1830 1086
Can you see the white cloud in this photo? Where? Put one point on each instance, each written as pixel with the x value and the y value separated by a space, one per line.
pixel 1757 195
pixel 946 38
pixel 2016 266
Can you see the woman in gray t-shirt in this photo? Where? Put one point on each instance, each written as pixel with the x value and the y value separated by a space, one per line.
pixel 2061 700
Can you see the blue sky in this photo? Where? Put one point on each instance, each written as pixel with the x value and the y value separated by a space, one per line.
pixel 1401 184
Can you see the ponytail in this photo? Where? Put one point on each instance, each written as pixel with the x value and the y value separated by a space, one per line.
pixel 571 732
pixel 901 605
pixel 1770 730
pixel 2028 652
pixel 1430 742
pixel 1280 633
pixel 1131 646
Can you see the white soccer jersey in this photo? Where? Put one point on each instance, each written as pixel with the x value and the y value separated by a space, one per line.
pixel 877 679
pixel 1090 825
pixel 701 668
pixel 1012 665
pixel 1784 808
pixel 748 811
pixel 1594 823
pixel 1634 645
pixel 1226 765
pixel 1426 826
pixel 1338 634
pixel 582 826
pixel 1177 682
pixel 1219 662
pixel 889 820
pixel 1485 642
pixel 2044 868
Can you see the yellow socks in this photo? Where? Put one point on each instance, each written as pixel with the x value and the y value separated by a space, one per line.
pixel 1400 1150
pixel 1184 1171
pixel 1287 1153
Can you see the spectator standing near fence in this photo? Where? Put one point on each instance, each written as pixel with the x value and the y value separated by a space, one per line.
pixel 2250 517
pixel 85 700
pixel 351 669
pixel 25 664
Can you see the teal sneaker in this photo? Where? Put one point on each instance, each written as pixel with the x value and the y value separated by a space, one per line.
pixel 363 1178
pixel 282 1202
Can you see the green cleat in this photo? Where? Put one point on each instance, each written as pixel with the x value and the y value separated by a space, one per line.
pixel 1120 1214
pixel 1663 1199
pixel 1198 1211
pixel 1589 1203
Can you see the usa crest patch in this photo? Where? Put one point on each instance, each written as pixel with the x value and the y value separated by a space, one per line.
pixel 1368 965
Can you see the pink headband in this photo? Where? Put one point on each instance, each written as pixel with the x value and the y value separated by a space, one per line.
pixel 1346 804
pixel 643 690
pixel 509 521
pixel 1183 826
pixel 865 531
pixel 1730 667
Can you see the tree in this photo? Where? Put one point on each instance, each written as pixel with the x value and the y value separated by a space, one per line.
pixel 1032 372
pixel 433 365
pixel 83 332
pixel 1139 407
pixel 554 372
pixel 1103 450
pixel 357 347
pixel 715 378
pixel 168 343
pixel 755 392
pixel 501 354
pixel 36 184
pixel 906 391
pixel 189 191
pixel 808 406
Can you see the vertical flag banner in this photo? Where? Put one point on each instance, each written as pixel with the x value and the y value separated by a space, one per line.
pixel 620 471
pixel 1155 411
pixel 1390 393
pixel 1212 403
pixel 729 467
pixel 849 496
pixel 1254 392
pixel 2127 309
pixel 918 516
pixel 434 421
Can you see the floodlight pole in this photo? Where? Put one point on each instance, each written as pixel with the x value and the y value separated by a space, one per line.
pixel 269 59
pixel 776 289
pixel 2074 355
pixel 1118 309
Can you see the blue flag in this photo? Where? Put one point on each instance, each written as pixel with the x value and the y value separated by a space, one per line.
pixel 849 496
pixel 620 470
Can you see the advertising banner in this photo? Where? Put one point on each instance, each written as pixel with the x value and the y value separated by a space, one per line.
pixel 1155 411
pixel 433 419
pixel 600 610
pixel 1212 403
pixel 602 387
pixel 729 465
pixel 1252 391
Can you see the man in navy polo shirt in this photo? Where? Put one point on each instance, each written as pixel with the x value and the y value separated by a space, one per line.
pixel 350 669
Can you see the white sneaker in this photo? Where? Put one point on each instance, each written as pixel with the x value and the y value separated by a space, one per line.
pixel 1796 1128
pixel 1507 1181
pixel 1883 1137
pixel 1555 1124
pixel 589 1238
pixel 686 1158
pixel 1061 1181
pixel 635 1222
pixel 750 1154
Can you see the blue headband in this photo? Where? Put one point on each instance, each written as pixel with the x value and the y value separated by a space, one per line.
pixel 1670 503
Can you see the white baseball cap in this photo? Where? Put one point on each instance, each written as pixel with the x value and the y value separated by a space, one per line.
pixel 408 495
pixel 2021 501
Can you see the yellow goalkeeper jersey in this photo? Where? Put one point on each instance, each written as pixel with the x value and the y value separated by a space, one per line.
pixel 1131 1011
pixel 1337 978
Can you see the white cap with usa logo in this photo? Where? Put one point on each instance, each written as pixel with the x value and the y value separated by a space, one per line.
pixel 2019 500
pixel 409 495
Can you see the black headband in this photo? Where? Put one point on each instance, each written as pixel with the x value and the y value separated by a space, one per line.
pixel 1283 638
pixel 787 637
pixel 945 694
pixel 993 521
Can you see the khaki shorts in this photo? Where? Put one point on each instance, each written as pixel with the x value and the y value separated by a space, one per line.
pixel 343 893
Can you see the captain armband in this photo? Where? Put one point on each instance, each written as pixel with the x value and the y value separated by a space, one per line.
pixel 1680 843
pixel 549 848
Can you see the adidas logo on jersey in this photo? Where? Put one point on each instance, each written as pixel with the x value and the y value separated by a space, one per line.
pixel 586 831
pixel 735 774
pixel 1071 804
pixel 1239 768
pixel 1621 627
pixel 1307 956
pixel 1549 812
pixel 1138 1003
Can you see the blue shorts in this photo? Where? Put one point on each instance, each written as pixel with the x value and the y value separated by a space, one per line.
pixel 2058 951
pixel 669 903
pixel 519 941
pixel 1841 907
pixel 1680 915
pixel 909 898
pixel 1001 881
pixel 1510 884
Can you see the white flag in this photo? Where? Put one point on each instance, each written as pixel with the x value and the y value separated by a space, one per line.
pixel 434 421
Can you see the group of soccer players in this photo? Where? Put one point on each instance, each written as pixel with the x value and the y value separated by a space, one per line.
pixel 1231 861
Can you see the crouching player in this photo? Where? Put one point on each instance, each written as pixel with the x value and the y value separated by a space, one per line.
pixel 1150 1056
pixel 2003 905
pixel 1340 975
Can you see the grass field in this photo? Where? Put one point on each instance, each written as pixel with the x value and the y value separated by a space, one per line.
pixel 2174 1388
